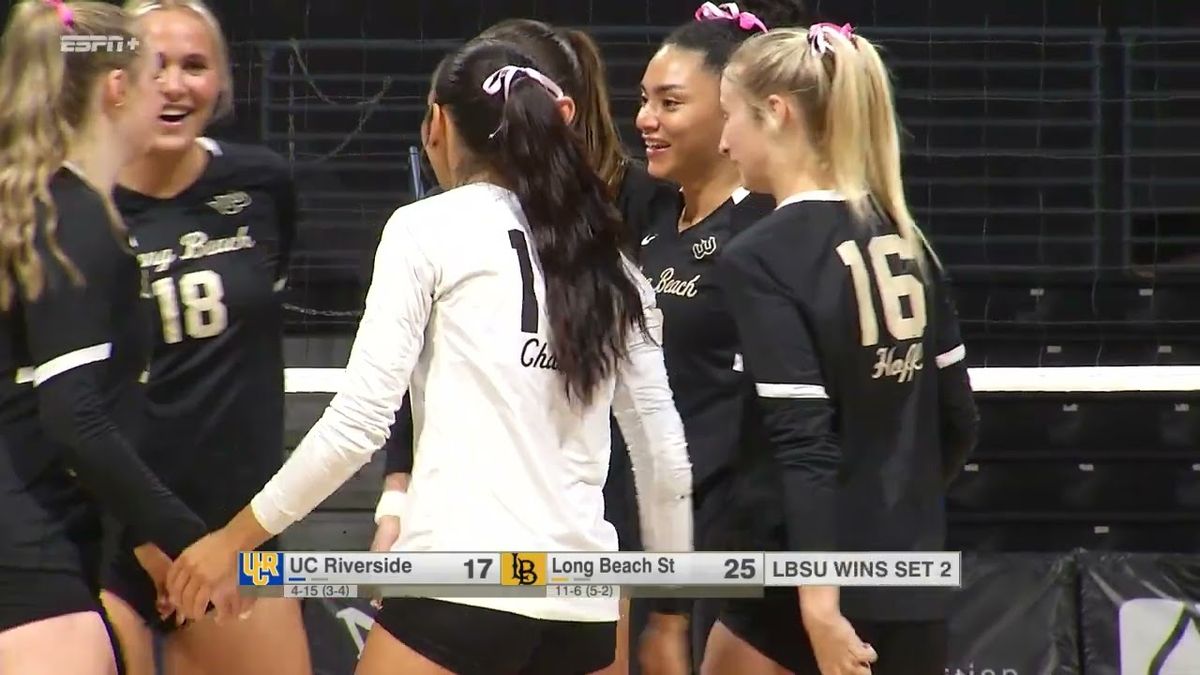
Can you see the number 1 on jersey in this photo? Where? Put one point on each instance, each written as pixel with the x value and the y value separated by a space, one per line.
pixel 529 303
pixel 891 288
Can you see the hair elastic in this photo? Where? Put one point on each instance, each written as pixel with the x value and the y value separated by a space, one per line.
pixel 729 12
pixel 65 14
pixel 818 36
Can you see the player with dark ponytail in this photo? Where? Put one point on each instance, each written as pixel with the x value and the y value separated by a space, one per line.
pixel 508 304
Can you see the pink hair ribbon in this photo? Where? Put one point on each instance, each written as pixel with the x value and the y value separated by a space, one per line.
pixel 818 35
pixel 502 80
pixel 729 12
pixel 65 15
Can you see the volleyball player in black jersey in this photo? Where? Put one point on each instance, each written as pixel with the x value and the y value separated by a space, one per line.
pixel 571 58
pixel 72 344
pixel 852 341
pixel 680 122
pixel 214 223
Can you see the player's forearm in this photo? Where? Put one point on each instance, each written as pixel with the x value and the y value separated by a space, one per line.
pixel 109 467
pixel 818 603
pixel 245 532
pixel 645 410
pixel 396 481
pixel 809 457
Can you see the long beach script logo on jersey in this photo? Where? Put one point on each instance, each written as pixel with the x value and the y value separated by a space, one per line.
pixel 231 204
pixel 667 283
pixel 194 245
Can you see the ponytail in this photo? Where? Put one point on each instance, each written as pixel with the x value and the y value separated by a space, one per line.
pixel 45 96
pixel 518 132
pixel 594 112
pixel 861 119
pixel 845 93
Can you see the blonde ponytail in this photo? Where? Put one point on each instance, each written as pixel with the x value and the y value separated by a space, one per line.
pixel 845 93
pixel 884 179
pixel 45 96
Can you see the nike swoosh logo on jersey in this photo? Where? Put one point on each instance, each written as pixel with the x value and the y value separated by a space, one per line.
pixel 649 239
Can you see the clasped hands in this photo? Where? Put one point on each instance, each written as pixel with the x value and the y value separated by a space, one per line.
pixel 202 580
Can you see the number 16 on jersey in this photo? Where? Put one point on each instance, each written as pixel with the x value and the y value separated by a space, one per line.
pixel 891 289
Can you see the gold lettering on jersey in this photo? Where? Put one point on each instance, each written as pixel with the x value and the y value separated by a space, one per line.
pixel 903 368
pixel 160 260
pixel 536 354
pixel 667 283
pixel 198 245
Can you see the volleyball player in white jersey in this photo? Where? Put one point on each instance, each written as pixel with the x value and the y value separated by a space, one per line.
pixel 508 305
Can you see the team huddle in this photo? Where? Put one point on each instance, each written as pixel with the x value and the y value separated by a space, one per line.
pixel 743 343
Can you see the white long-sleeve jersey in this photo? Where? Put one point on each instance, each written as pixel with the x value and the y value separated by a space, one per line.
pixel 502 461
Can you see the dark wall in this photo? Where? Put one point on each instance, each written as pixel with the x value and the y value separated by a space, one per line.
pixel 258 19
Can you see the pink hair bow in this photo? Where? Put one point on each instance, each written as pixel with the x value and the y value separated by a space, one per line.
pixel 818 35
pixel 65 15
pixel 729 12
pixel 502 80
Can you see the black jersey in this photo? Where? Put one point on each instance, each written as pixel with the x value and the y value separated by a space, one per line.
pixel 699 337
pixel 643 199
pixel 844 335
pixel 71 400
pixel 216 255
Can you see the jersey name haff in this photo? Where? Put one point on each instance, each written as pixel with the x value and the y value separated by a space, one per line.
pixel 196 245
pixel 667 283
pixel 903 368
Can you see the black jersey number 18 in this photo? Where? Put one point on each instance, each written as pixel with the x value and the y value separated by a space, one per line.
pixel 891 288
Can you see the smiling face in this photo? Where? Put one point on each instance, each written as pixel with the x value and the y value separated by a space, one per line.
pixel 190 77
pixel 680 118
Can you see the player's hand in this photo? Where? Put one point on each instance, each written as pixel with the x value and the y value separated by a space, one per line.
pixel 386 534
pixel 206 567
pixel 838 648
pixel 229 603
pixel 663 647
pixel 157 564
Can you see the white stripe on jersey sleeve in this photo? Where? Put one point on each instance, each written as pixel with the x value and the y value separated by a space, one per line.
pixel 766 390
pixel 951 357
pixel 69 361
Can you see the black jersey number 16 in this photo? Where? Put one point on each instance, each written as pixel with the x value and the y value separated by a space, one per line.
pixel 889 287
pixel 529 303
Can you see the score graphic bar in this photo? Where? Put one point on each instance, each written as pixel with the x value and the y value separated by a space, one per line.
pixel 515 570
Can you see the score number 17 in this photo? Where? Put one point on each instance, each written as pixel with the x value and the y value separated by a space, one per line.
pixel 482 564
